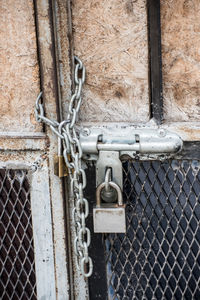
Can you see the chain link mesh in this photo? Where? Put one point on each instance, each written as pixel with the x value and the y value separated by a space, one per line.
pixel 17 270
pixel 159 256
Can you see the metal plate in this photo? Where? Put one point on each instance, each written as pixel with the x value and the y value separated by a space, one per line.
pixel 159 256
pixel 17 268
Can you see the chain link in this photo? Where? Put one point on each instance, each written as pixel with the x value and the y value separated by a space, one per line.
pixel 66 132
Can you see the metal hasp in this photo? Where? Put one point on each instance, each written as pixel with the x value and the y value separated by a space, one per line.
pixel 129 141
pixel 108 145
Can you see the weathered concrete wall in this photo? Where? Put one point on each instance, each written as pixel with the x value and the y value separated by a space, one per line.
pixel 181 59
pixel 19 74
pixel 111 39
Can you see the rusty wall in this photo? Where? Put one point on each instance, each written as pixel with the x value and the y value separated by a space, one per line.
pixel 111 39
pixel 19 75
pixel 181 59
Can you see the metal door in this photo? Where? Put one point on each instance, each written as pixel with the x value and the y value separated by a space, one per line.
pixel 120 45
pixel 33 261
pixel 158 257
pixel 128 83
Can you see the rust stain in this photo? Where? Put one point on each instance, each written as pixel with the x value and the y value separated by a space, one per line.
pixel 32 118
pixel 129 6
pixel 192 133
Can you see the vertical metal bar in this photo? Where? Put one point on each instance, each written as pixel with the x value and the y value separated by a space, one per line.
pixel 42 233
pixel 98 281
pixel 155 59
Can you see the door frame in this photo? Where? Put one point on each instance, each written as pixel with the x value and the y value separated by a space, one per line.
pixel 49 86
pixel 70 284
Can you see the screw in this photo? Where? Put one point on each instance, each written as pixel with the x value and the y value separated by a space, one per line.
pixel 86 131
pixel 162 132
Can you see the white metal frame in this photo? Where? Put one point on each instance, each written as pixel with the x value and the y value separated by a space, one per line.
pixel 42 233
pixel 38 176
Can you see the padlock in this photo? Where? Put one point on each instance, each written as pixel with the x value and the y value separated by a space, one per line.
pixel 109 217
pixel 60 168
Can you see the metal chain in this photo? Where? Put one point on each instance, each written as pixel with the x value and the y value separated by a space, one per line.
pixel 66 132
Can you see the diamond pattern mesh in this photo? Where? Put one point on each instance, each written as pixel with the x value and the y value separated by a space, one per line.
pixel 17 272
pixel 159 256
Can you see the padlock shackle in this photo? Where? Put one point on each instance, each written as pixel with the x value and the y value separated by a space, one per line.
pixel 113 185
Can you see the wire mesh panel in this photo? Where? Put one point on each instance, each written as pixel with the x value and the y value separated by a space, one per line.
pixel 17 270
pixel 159 256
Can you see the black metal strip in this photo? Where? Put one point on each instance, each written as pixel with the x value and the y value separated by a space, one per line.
pixel 98 281
pixel 155 60
pixel 191 150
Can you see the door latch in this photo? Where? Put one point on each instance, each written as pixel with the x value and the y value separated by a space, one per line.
pixel 108 147
pixel 143 142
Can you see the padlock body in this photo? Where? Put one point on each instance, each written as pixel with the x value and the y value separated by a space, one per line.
pixel 109 219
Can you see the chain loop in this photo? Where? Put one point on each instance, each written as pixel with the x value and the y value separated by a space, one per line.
pixel 66 132
pixel 84 266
